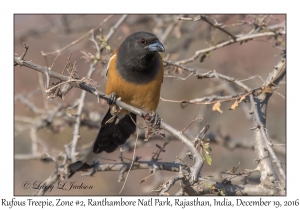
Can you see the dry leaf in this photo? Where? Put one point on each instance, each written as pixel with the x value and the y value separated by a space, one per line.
pixel 242 98
pixel 234 105
pixel 267 89
pixel 216 107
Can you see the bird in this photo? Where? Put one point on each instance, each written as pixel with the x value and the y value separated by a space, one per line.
pixel 135 74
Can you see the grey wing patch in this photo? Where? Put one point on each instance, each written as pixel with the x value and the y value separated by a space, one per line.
pixel 107 67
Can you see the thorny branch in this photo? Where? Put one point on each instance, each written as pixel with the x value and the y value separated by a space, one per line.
pixel 268 87
pixel 273 31
pixel 198 160
pixel 76 135
pixel 198 165
pixel 259 106
pixel 215 24
pixel 191 183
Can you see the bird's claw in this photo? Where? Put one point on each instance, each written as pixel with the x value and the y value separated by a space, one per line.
pixel 113 99
pixel 153 120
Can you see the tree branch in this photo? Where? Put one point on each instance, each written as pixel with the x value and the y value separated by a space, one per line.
pixel 188 143
pixel 239 38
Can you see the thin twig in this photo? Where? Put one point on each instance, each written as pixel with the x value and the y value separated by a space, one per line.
pixel 229 42
pixel 81 100
pixel 77 40
pixel 133 155
pixel 190 124
pixel 114 28
pixel 185 163
pixel 25 51
pixel 217 25
pixel 67 63
pixel 209 99
pixel 180 78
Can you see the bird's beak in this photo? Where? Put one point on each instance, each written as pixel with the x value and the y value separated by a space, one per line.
pixel 156 46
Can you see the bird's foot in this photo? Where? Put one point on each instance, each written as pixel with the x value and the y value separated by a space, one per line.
pixel 153 121
pixel 113 99
pixel 114 109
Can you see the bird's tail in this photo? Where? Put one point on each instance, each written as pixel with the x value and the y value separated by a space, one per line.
pixel 114 132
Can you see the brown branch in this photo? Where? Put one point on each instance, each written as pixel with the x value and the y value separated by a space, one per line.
pixel 190 124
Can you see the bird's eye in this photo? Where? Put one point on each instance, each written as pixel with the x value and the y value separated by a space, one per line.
pixel 143 41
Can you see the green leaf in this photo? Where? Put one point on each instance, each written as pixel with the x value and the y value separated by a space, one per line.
pixel 201 153
pixel 107 47
pixel 206 152
pixel 222 191
pixel 210 149
pixel 208 159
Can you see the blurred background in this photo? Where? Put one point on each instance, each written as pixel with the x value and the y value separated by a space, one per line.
pixel 230 134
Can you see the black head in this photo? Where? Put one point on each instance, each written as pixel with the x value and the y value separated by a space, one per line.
pixel 142 43
pixel 138 56
pixel 139 49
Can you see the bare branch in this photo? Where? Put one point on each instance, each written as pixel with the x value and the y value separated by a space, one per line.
pixel 190 125
pixel 77 40
pixel 166 166
pixel 77 124
pixel 231 41
pixel 206 186
pixel 198 160
pixel 209 99
pixel 216 25
pixel 133 155
pixel 259 104
pixel 114 28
